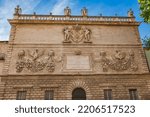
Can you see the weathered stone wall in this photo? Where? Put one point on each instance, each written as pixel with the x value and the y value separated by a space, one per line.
pixel 3 46
pixel 64 85
pixel 95 55
pixel 36 41
pixel 53 34
pixel 3 51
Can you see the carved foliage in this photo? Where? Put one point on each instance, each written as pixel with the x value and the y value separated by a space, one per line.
pixel 77 34
pixel 35 61
pixel 121 61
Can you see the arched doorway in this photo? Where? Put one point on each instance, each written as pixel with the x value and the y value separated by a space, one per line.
pixel 78 94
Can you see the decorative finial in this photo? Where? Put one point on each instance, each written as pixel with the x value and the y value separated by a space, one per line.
pixel 34 13
pixel 18 10
pixel 84 12
pixel 67 11
pixel 50 13
pixel 130 13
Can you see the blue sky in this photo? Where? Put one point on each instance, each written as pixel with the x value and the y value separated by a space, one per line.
pixel 95 7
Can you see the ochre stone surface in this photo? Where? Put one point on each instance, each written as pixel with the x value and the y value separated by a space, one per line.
pixel 37 52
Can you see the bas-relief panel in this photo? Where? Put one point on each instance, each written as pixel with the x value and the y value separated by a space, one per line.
pixel 35 61
pixel 120 61
pixel 83 60
pixel 77 34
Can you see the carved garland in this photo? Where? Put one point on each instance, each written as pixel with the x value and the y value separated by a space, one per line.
pixel 34 62
pixel 118 62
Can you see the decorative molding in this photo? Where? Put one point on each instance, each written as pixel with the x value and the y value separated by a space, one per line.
pixel 120 61
pixel 78 84
pixel 78 52
pixel 95 45
pixel 35 61
pixel 77 34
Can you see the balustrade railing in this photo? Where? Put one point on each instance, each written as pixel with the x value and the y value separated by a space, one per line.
pixel 75 18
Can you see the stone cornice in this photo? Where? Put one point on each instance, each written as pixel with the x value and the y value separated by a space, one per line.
pixel 110 23
pixel 45 45
pixel 67 76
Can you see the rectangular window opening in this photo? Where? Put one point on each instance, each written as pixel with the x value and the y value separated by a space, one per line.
pixel 108 94
pixel 21 95
pixel 49 95
pixel 133 94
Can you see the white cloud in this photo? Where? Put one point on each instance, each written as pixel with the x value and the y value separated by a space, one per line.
pixel 59 6
pixel 7 10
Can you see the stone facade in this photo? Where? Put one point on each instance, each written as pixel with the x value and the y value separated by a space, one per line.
pixel 62 53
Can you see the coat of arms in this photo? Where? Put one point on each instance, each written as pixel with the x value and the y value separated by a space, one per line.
pixel 77 34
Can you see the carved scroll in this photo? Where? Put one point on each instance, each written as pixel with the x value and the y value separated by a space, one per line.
pixel 35 61
pixel 121 61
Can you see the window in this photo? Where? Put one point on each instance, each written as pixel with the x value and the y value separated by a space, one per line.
pixel 49 95
pixel 108 94
pixel 133 94
pixel 21 95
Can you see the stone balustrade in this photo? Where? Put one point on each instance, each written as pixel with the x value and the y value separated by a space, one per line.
pixel 75 18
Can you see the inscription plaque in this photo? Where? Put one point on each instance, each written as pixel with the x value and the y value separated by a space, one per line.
pixel 75 62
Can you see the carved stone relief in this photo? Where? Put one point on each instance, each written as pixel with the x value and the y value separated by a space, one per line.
pixel 78 52
pixel 35 61
pixel 67 11
pixel 120 61
pixel 84 12
pixel 77 34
